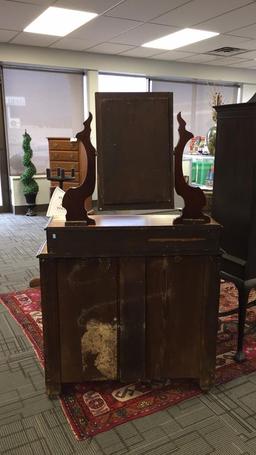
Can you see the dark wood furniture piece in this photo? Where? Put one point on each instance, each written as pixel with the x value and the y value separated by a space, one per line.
pixel 234 200
pixel 134 147
pixel 130 298
pixel 194 198
pixel 74 200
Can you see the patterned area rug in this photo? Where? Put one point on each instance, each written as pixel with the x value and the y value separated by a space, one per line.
pixel 94 407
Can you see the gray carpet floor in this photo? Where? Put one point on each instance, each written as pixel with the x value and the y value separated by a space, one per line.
pixel 222 422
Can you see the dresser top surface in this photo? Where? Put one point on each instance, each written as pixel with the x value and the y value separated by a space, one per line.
pixel 133 221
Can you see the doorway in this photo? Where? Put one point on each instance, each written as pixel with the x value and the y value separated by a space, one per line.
pixel 4 181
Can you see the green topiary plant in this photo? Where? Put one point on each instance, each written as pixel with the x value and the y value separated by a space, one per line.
pixel 30 186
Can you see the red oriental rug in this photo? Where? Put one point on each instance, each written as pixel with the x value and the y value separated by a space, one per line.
pixel 94 407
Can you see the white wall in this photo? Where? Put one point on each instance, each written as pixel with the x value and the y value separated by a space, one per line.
pixel 26 55
pixel 17 196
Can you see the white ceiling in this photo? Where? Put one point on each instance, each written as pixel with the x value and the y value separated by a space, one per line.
pixel 122 26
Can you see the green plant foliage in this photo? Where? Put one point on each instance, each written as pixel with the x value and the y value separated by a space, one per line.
pixel 29 184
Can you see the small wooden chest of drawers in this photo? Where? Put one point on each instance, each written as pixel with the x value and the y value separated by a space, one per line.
pixel 67 155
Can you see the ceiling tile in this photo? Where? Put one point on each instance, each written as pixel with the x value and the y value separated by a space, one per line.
pixel 6 35
pixel 102 29
pixel 215 43
pixel 144 10
pixel 34 39
pixel 94 6
pixel 199 58
pixel 248 55
pixel 144 33
pixel 109 48
pixel 249 32
pixel 123 25
pixel 171 55
pixel 225 61
pixel 69 44
pixel 250 44
pixel 16 16
pixel 197 11
pixel 44 3
pixel 231 21
pixel 142 52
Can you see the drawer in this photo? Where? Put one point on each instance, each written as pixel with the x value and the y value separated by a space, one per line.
pixel 64 155
pixel 73 184
pixel 63 144
pixel 64 165
pixel 108 242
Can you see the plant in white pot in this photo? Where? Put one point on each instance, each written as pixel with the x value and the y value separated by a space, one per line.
pixel 30 186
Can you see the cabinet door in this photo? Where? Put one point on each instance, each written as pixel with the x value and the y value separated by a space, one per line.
pixel 177 292
pixel 132 318
pixel 88 319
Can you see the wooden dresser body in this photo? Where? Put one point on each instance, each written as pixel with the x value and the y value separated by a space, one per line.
pixel 131 298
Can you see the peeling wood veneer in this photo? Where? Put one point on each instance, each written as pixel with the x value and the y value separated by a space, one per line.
pixel 99 342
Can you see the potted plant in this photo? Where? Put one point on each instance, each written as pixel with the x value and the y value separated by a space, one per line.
pixel 30 186
pixel 211 134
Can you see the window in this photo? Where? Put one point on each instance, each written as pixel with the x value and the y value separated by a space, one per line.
pixel 46 104
pixel 114 83
pixel 194 101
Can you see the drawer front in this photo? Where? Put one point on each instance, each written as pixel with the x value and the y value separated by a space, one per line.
pixel 114 242
pixel 66 185
pixel 64 165
pixel 64 155
pixel 63 144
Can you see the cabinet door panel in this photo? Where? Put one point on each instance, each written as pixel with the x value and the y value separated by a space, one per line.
pixel 88 319
pixel 132 319
pixel 175 300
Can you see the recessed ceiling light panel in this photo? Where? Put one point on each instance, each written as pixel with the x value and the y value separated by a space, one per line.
pixel 59 21
pixel 179 39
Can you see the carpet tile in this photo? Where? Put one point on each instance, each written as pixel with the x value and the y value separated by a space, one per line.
pixel 222 422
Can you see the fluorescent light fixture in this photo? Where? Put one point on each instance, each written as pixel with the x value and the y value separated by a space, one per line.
pixel 180 39
pixel 59 21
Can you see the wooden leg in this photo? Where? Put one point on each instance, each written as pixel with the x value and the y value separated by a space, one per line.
pixel 34 283
pixel 243 294
pixel 53 390
pixel 206 381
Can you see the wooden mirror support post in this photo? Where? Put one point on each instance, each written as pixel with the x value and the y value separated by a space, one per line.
pixel 194 197
pixel 74 198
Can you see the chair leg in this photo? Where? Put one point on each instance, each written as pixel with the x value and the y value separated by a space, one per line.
pixel 243 294
pixel 34 283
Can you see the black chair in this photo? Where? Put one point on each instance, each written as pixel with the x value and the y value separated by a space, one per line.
pixel 233 269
